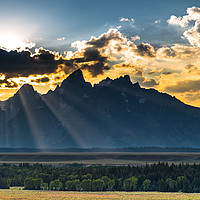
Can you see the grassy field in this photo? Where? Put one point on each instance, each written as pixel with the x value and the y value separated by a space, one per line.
pixel 114 158
pixel 58 195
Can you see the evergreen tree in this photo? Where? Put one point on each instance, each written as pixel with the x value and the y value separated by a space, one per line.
pixel 146 185
pixel 111 184
pixel 86 185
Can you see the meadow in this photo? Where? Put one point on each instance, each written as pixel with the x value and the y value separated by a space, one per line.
pixel 61 195
pixel 104 158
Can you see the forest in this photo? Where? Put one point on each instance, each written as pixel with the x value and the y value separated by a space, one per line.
pixel 78 177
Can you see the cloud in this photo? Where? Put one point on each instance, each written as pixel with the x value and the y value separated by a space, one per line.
pixel 145 50
pixel 17 67
pixel 23 63
pixel 41 80
pixel 8 83
pixel 167 73
pixel 149 83
pixel 178 21
pixel 152 72
pixel 157 21
pixel 166 52
pixel 110 47
pixel 193 96
pixel 193 14
pixel 186 52
pixel 61 38
pixel 113 47
pixel 159 72
pixel 137 37
pixel 10 43
pixel 123 19
pixel 93 54
pixel 178 52
pixel 193 34
pixel 193 69
pixel 136 73
pixel 184 86
pixel 104 39
pixel 88 57
pixel 96 68
pixel 92 61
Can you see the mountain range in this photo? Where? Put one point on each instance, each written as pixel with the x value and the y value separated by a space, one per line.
pixel 112 114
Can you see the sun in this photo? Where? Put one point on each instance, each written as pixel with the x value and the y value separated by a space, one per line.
pixel 12 42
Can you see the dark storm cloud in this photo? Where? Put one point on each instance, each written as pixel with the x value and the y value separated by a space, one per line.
pixel 96 69
pixel 92 54
pixel 41 80
pixel 145 50
pixel 92 61
pixel 15 64
pixel 8 83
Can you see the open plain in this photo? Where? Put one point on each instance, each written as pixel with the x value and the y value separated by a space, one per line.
pixel 104 158
pixel 61 195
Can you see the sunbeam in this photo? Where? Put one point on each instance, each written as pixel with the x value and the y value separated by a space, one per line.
pixel 76 135
pixel 39 140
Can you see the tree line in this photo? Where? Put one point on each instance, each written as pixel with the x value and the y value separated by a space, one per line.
pixel 157 177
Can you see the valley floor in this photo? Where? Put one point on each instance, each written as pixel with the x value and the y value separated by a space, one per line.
pixel 14 193
pixel 104 158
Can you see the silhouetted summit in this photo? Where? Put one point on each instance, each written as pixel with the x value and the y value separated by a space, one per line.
pixel 27 91
pixel 74 86
pixel 75 78
pixel 136 85
pixel 113 113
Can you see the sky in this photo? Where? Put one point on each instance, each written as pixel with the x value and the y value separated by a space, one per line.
pixel 156 42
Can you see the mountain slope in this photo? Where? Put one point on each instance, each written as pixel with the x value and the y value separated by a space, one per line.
pixel 113 113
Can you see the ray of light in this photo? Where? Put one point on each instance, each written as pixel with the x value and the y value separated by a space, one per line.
pixel 79 116
pixel 71 130
pixel 33 124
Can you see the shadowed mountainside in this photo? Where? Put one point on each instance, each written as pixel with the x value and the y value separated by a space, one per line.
pixel 113 113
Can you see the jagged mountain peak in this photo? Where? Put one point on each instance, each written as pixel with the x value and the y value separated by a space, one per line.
pixel 136 85
pixel 74 83
pixel 113 113
pixel 77 73
pixel 27 90
pixel 122 83
pixel 123 80
pixel 105 82
pixel 75 78
pixel 26 87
